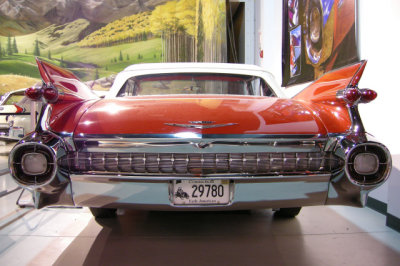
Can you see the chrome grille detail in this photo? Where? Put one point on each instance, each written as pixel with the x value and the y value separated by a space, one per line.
pixel 202 163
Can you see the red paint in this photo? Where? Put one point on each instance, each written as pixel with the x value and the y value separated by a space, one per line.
pixel 316 110
pixel 65 116
pixel 148 115
pixel 69 86
pixel 321 97
pixel 19 109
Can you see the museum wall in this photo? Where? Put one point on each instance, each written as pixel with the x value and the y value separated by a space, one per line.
pixel 377 43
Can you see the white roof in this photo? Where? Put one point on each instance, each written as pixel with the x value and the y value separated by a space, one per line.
pixel 226 68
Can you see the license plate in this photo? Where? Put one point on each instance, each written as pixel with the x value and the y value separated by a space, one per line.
pixel 201 192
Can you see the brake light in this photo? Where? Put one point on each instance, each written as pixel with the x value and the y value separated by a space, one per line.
pixel 352 95
pixel 34 93
pixel 367 95
pixel 50 94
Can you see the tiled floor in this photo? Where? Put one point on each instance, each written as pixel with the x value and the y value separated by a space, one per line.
pixel 318 236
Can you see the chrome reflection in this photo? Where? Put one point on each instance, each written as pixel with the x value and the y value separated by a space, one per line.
pixel 200 126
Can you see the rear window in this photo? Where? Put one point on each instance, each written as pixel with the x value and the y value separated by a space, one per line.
pixel 195 83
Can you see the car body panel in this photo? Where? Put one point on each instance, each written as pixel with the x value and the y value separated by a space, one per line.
pixel 157 115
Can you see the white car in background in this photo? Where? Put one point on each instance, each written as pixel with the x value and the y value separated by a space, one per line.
pixel 15 115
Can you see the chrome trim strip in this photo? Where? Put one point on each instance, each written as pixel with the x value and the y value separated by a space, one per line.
pixel 357 125
pixel 199 126
pixel 201 122
pixel 236 179
pixel 203 146
pixel 190 145
pixel 198 135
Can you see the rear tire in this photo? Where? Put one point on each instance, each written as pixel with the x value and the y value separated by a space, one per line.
pixel 288 212
pixel 103 212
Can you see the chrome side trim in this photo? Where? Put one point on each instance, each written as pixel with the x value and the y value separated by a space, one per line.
pixel 356 122
pixel 203 145
pixel 183 135
pixel 236 178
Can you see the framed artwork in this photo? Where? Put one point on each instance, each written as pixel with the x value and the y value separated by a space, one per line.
pixel 318 36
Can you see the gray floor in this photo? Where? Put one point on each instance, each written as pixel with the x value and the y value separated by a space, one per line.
pixel 318 236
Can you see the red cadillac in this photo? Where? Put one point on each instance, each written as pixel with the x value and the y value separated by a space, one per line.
pixel 198 136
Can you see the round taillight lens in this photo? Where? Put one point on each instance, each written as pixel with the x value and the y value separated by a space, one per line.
pixel 34 163
pixel 34 93
pixel 50 94
pixel 352 95
pixel 366 163
pixel 367 95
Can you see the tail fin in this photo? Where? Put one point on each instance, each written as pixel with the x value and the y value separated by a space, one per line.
pixel 69 86
pixel 326 88
pixel 335 96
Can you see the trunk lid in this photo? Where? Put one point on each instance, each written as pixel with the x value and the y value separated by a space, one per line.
pixel 199 115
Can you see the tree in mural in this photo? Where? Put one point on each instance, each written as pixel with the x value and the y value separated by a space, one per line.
pixel 36 50
pixel 214 27
pixel 128 29
pixel 190 30
pixel 191 34
pixel 9 46
pixel 199 33
pixel 15 48
pixel 176 23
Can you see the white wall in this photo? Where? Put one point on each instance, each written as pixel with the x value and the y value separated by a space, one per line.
pixel 379 43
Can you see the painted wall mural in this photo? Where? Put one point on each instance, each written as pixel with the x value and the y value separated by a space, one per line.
pixel 318 36
pixel 96 39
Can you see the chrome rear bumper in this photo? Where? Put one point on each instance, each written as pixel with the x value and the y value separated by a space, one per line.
pixel 156 193
pixel 286 178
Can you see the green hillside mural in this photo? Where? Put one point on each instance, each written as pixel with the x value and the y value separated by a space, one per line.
pixel 95 49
